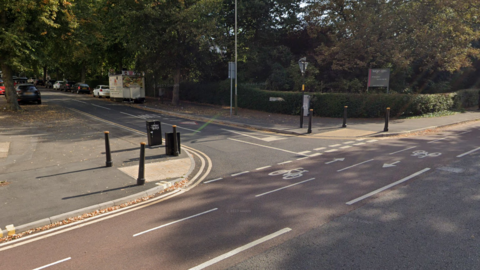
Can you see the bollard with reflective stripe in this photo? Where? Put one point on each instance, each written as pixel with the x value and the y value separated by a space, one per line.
pixel 387 118
pixel 109 162
pixel 141 165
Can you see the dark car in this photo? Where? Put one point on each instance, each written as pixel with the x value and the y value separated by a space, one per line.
pixel 28 93
pixel 50 83
pixel 67 86
pixel 81 88
pixel 40 82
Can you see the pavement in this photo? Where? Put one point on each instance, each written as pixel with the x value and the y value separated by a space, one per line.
pixel 40 187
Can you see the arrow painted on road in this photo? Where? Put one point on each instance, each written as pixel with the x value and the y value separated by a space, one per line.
pixel 386 165
pixel 335 160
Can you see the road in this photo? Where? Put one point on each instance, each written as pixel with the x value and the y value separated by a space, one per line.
pixel 270 204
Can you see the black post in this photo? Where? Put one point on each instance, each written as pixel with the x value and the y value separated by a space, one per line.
pixel 301 117
pixel 141 165
pixel 387 117
pixel 478 100
pixel 301 103
pixel 175 141
pixel 109 162
pixel 310 121
pixel 344 117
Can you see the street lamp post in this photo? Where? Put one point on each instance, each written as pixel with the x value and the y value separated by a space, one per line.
pixel 236 57
pixel 303 67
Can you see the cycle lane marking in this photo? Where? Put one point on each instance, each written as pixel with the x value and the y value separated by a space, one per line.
pixel 278 189
pixel 52 264
pixel 354 165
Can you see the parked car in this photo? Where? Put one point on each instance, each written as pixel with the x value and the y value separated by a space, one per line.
pixel 81 88
pixel 29 93
pixel 19 80
pixel 2 88
pixel 49 83
pixel 57 85
pixel 67 86
pixel 40 82
pixel 101 91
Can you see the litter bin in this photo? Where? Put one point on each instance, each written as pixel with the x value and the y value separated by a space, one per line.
pixel 169 143
pixel 154 132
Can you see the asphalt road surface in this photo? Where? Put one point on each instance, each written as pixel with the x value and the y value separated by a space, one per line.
pixel 270 204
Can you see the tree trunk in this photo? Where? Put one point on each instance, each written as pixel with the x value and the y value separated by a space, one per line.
pixel 10 94
pixel 176 88
pixel 45 75
pixel 83 73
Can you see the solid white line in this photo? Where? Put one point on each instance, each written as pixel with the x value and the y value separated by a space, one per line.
pixel 281 163
pixel 331 150
pixel 362 143
pixel 57 262
pixel 346 146
pixel 354 165
pixel 285 187
pixel 203 213
pixel 464 132
pixel 266 146
pixel 334 145
pixel 402 150
pixel 240 249
pixel 471 151
pixel 373 141
pixel 261 168
pixel 316 154
pixel 320 148
pixel 304 152
pixel 240 173
pixel 437 140
pixel 100 106
pixel 214 180
pixel 349 142
pixel 386 187
pixel 302 158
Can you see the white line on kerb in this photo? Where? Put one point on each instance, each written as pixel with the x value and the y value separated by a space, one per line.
pixel 57 262
pixel 402 150
pixel 281 163
pixel 240 249
pixel 203 213
pixel 100 106
pixel 354 165
pixel 266 146
pixel 471 151
pixel 386 187
pixel 285 187
pixel 437 140
pixel 261 168
pixel 214 180
pixel 240 173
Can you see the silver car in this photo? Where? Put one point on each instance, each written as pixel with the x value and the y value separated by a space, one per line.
pixel 101 91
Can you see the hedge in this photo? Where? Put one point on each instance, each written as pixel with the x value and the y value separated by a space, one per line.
pixel 330 104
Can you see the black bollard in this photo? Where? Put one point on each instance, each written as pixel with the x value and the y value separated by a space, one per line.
pixel 301 117
pixel 344 117
pixel 109 162
pixel 387 117
pixel 310 121
pixel 479 100
pixel 141 165
pixel 175 141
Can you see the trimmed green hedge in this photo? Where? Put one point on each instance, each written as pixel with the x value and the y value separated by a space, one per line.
pixel 330 104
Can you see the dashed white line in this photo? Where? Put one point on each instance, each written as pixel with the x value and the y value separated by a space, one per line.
pixel 334 145
pixel 469 152
pixel 354 165
pixel 403 150
pixel 346 146
pixel 214 180
pixel 437 140
pixel 261 168
pixel 320 148
pixel 362 143
pixel 240 173
pixel 278 189
pixel 57 262
pixel 387 187
pixel 281 163
pixel 331 150
pixel 349 142
pixel 240 249
pixel 316 155
pixel 165 225
pixel 372 141
pixel 302 158
pixel 79 101
pixel 360 139
pixel 132 115
pixel 100 106
pixel 304 152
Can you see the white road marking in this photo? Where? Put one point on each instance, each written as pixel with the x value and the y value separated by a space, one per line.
pixel 281 163
pixel 349 142
pixel 240 173
pixel 140 117
pixel 373 141
pixel 214 180
pixel 304 152
pixel 388 165
pixel 278 189
pixel 57 262
pixel 437 140
pixel 471 151
pixel 335 160
pixel 334 145
pixel 283 150
pixel 266 139
pixel 100 106
pixel 79 101
pixel 240 249
pixel 354 165
pixel 464 132
pixel 261 168
pixel 345 147
pixel 316 154
pixel 132 115
pixel 360 139
pixel 386 187
pixel 320 148
pixel 362 143
pixel 403 150
pixel 302 158
pixel 196 215
pixel 331 150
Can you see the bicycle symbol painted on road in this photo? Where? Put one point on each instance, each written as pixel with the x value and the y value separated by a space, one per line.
pixel 289 174
pixel 422 154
